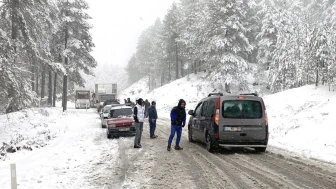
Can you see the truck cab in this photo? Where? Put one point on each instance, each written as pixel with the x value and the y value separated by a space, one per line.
pixel 82 99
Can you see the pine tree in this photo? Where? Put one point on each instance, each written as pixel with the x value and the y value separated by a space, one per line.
pixel 77 43
pixel 28 21
pixel 226 42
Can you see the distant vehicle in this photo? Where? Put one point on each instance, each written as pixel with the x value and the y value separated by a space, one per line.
pixel 102 93
pixel 105 115
pixel 230 121
pixel 107 100
pixel 82 99
pixel 120 122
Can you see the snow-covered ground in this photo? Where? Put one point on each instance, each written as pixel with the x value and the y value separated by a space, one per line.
pixel 71 150
pixel 65 147
pixel 301 120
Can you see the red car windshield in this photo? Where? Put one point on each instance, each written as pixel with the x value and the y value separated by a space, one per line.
pixel 125 112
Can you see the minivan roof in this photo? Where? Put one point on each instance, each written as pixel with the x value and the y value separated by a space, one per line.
pixel 232 96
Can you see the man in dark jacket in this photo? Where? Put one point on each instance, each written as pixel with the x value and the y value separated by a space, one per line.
pixel 147 105
pixel 178 120
pixel 152 117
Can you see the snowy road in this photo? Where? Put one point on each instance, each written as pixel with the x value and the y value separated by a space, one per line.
pixel 154 167
pixel 83 157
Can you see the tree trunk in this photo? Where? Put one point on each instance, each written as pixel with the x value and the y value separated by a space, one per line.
pixel 195 67
pixel 37 79
pixel 317 77
pixel 182 70
pixel 54 97
pixel 149 81
pixel 169 68
pixel 227 88
pixel 199 66
pixel 65 78
pixel 177 64
pixel 43 81
pixel 162 78
pixel 32 76
pixel 50 88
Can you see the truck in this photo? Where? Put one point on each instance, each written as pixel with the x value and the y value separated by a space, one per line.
pixel 82 99
pixel 104 92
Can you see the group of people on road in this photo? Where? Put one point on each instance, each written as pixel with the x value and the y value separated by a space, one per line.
pixel 143 110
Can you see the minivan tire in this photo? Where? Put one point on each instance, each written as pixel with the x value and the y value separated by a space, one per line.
pixel 209 143
pixel 260 149
pixel 190 136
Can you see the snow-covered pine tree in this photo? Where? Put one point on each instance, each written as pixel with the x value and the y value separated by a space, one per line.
pixel 23 34
pixel 227 43
pixel 192 24
pixel 77 43
pixel 172 33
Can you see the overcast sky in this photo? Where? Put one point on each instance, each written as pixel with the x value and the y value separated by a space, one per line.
pixel 117 24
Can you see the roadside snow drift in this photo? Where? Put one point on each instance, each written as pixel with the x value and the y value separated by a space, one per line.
pixel 301 120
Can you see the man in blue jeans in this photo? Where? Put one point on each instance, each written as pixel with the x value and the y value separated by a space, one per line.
pixel 152 117
pixel 178 120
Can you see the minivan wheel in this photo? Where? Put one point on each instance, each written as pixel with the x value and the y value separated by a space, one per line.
pixel 190 135
pixel 260 149
pixel 209 144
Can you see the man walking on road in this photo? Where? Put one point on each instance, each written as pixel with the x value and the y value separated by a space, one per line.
pixel 178 120
pixel 139 116
pixel 152 117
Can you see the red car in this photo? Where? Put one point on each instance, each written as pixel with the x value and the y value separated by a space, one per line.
pixel 120 122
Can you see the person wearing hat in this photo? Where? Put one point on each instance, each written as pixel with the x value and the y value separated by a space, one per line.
pixel 178 120
pixel 139 117
pixel 152 117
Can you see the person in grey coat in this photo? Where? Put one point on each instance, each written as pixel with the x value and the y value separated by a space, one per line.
pixel 139 117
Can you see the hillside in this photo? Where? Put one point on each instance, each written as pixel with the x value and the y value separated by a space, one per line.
pixel 190 88
pixel 301 120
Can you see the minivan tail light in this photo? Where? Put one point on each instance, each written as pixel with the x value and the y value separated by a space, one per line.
pixel 216 117
pixel 264 107
pixel 263 104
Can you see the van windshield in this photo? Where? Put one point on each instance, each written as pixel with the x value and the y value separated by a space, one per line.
pixel 242 109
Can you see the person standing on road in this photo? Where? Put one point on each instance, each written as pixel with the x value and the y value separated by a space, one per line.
pixel 178 120
pixel 139 116
pixel 152 117
pixel 147 105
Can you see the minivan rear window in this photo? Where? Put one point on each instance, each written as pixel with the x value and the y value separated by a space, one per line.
pixel 242 109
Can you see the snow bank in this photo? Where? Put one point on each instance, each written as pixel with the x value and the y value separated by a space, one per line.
pixel 302 120
pixel 28 129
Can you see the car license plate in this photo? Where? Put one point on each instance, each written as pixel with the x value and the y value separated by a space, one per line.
pixel 233 129
pixel 124 129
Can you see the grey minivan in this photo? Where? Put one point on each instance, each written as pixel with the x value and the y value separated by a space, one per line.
pixel 230 121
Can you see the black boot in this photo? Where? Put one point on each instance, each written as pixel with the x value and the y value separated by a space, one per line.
pixel 178 148
pixel 168 148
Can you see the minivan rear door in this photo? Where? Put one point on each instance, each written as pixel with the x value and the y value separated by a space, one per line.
pixel 242 119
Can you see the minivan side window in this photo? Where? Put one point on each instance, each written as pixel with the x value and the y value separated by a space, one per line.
pixel 204 108
pixel 198 110
pixel 211 109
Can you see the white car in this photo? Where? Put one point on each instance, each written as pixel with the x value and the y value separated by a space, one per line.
pixel 105 115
